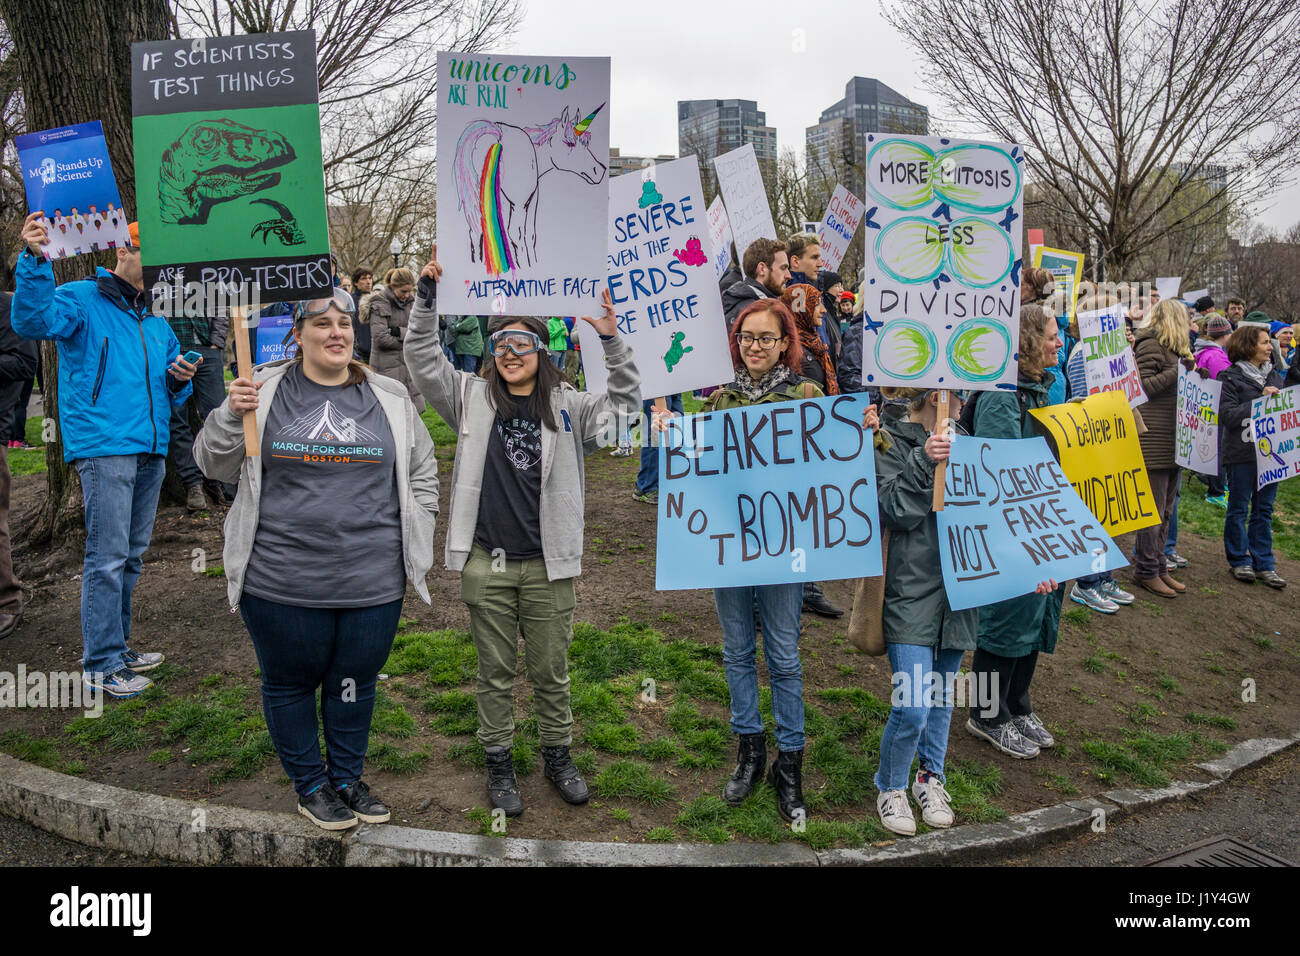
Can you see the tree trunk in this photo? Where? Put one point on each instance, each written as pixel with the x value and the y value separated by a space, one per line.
pixel 74 58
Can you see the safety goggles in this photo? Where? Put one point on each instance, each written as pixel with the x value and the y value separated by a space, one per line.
pixel 340 300
pixel 519 341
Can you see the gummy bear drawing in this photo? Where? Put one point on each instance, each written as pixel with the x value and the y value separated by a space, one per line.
pixel 676 351
pixel 650 195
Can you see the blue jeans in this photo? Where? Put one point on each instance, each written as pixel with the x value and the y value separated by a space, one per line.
pixel 1092 580
pixel 647 479
pixel 1248 541
pixel 1171 542
pixel 121 496
pixel 920 725
pixel 467 363
pixel 557 359
pixel 779 606
pixel 339 651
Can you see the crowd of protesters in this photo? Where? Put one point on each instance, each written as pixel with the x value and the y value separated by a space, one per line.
pixel 367 359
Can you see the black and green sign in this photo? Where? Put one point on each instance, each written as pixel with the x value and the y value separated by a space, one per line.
pixel 229 179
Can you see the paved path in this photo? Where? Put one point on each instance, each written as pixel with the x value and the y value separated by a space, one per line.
pixel 1261 806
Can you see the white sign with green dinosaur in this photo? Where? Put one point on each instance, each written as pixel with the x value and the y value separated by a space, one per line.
pixel 229 178
pixel 661 279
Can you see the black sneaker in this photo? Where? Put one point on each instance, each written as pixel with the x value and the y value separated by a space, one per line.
pixel 559 769
pixel 503 790
pixel 362 802
pixel 1004 736
pixel 325 808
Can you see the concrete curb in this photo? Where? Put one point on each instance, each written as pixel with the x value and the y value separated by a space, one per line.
pixel 147 825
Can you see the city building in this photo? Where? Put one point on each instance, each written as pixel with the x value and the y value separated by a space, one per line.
pixel 709 128
pixel 834 148
pixel 620 164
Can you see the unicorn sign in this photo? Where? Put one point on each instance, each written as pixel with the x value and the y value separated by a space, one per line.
pixel 522 211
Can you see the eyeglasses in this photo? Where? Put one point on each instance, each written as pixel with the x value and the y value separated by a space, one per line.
pixel 340 300
pixel 766 342
pixel 519 341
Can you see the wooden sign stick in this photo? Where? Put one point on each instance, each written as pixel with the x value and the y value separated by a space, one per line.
pixel 244 365
pixel 941 470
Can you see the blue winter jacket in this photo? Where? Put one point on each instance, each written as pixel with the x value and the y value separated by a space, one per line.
pixel 115 394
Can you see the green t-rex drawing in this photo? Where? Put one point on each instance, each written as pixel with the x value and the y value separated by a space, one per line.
pixel 676 351
pixel 214 161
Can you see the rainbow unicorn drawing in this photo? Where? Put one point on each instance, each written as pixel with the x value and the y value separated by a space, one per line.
pixel 499 169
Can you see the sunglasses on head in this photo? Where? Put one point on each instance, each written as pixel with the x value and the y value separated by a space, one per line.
pixel 519 341
pixel 339 299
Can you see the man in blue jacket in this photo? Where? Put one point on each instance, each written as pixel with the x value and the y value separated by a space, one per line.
pixel 119 374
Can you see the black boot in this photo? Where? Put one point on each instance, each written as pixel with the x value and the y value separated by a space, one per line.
pixel 751 761
pixel 502 787
pixel 814 600
pixel 559 769
pixel 786 778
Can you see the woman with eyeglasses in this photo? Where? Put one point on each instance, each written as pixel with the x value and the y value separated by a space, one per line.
pixel 330 523
pixel 766 351
pixel 515 526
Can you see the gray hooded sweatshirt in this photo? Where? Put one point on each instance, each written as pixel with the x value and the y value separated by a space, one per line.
pixel 587 421
pixel 219 453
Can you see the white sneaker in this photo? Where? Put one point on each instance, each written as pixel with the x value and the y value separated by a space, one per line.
pixel 895 812
pixel 935 802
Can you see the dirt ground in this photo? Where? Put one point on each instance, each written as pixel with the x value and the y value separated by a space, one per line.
pixel 1141 672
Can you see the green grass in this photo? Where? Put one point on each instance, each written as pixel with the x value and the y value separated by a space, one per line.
pixel 443 658
pixel 1221 721
pixel 1093 664
pixel 439 431
pixel 613 738
pixel 1144 757
pixel 633 780
pixel 37 750
pixel 1076 615
pixel 30 461
pixel 455 712
pixel 1263 643
pixel 385 756
pixel 661 835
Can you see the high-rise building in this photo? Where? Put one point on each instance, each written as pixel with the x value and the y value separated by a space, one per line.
pixel 835 146
pixel 709 128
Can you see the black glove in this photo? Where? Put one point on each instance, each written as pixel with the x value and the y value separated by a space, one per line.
pixel 427 290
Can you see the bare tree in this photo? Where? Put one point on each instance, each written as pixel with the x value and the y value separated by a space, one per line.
pixel 1124 111
pixel 1267 270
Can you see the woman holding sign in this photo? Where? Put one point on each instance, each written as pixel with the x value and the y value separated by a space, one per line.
pixel 766 351
pixel 515 525
pixel 923 635
pixel 1160 347
pixel 1014 631
pixel 341 443
pixel 1248 526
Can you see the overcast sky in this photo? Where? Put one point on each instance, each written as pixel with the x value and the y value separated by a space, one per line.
pixel 670 50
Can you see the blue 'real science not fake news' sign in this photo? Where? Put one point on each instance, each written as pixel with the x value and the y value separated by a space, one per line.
pixel 768 494
pixel 1012 519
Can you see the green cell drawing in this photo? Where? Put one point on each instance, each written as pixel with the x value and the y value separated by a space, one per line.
pixel 898 173
pixel 976 177
pixel 911 250
pixel 979 350
pixel 980 252
pixel 230 187
pixel 906 349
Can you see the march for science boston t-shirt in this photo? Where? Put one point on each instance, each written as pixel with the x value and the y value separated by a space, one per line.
pixel 329 532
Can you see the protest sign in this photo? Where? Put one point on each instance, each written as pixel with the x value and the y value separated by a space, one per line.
pixel 1067 269
pixel 1108 362
pixel 272 330
pixel 811 227
pixel 719 236
pixel 1035 237
pixel 1010 520
pixel 229 179
pixel 1167 287
pixel 943 259
pixel 1098 444
pixel 523 201
pixel 1275 426
pixel 741 185
pixel 1196 441
pixel 768 494
pixel 665 295
pixel 68 176
pixel 843 215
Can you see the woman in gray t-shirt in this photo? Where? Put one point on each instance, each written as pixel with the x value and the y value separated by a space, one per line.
pixel 328 526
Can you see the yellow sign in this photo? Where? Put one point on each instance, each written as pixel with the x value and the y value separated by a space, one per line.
pixel 1067 267
pixel 1100 454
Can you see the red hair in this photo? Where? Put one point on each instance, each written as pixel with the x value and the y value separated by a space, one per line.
pixel 792 357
